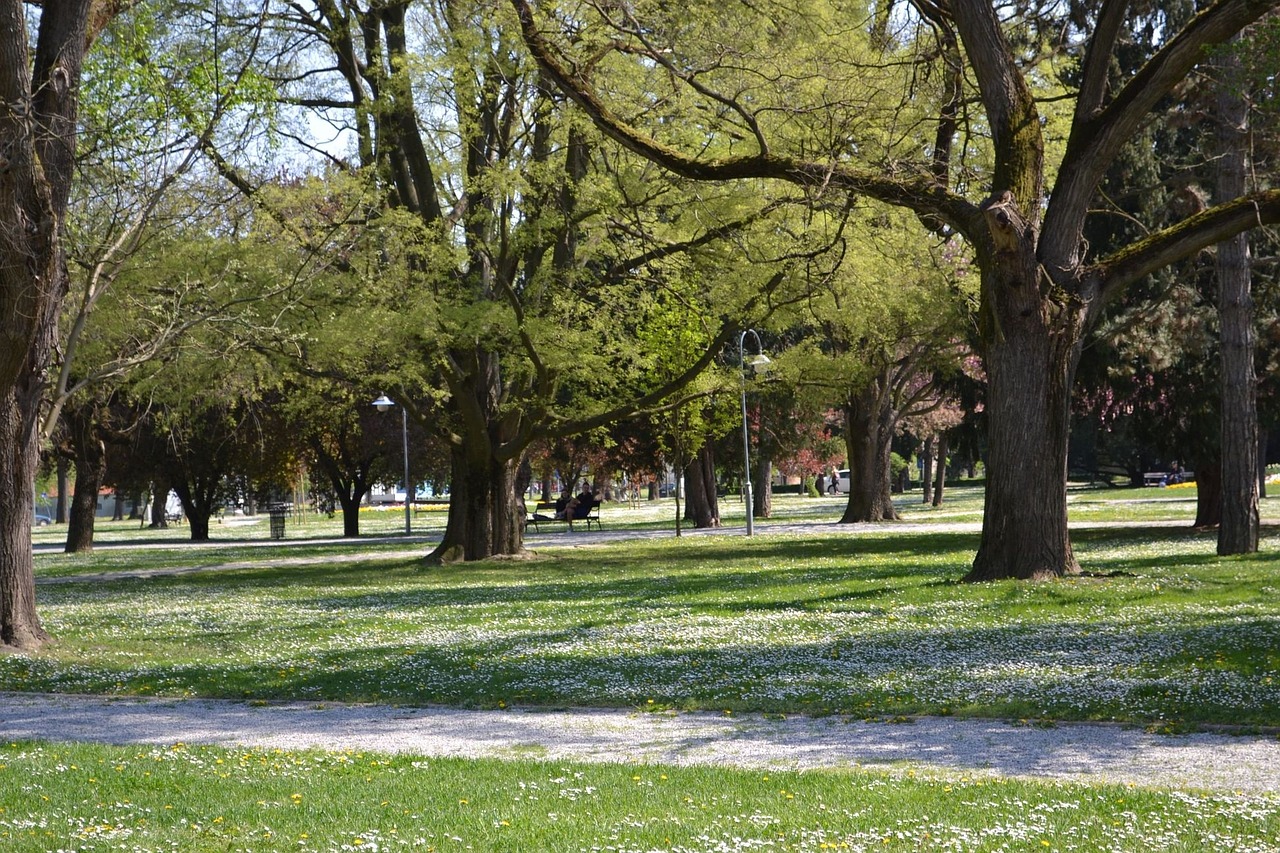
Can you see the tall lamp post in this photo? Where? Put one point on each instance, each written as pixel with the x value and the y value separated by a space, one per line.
pixel 759 362
pixel 384 404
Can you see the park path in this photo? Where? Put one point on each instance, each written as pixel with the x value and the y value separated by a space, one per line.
pixel 1218 763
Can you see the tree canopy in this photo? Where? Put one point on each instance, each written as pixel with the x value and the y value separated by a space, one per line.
pixel 963 94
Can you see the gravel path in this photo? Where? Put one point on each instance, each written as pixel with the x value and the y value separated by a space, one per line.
pixel 1083 752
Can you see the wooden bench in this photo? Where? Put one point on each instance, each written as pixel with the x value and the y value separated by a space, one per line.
pixel 1162 478
pixel 430 505
pixel 547 512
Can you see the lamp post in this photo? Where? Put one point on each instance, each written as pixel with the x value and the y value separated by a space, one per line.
pixel 383 404
pixel 759 362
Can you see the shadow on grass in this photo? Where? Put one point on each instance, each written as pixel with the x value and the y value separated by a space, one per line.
pixel 634 570
pixel 1063 669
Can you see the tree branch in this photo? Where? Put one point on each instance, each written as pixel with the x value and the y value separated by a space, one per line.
pixel 1162 248
pixel 919 192
pixel 1097 60
pixel 1097 138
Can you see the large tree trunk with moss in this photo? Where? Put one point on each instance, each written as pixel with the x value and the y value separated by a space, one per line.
pixel 486 507
pixel 1238 532
pixel 869 423
pixel 19 624
pixel 1030 366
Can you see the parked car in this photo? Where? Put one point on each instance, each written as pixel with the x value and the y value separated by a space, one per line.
pixel 42 520
pixel 842 484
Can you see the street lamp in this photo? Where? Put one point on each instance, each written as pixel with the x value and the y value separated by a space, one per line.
pixel 384 404
pixel 759 363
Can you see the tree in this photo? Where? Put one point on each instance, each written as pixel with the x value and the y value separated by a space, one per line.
pixel 40 92
pixel 692 419
pixel 1178 368
pixel 877 335
pixel 347 443
pixel 509 248
pixel 1238 531
pixel 134 154
pixel 1023 211
pixel 90 427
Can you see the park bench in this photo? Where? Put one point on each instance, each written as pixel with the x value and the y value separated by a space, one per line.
pixel 1155 478
pixel 421 505
pixel 545 514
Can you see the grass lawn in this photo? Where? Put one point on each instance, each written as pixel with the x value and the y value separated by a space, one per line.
pixel 193 798
pixel 870 624
pixel 1162 633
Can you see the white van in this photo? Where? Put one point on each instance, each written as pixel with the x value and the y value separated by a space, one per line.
pixel 842 484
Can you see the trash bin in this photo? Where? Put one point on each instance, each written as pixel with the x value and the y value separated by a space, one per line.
pixel 278 515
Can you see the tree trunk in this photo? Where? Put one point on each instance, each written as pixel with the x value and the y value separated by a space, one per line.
pixel 84 503
pixel 1208 493
pixel 762 487
pixel 137 509
pixel 64 489
pixel 940 480
pixel 91 467
pixel 199 522
pixel 484 510
pixel 19 624
pixel 350 504
pixel 199 501
pixel 38 129
pixel 702 505
pixel 350 482
pixel 1030 366
pixel 926 470
pixel 1238 532
pixel 869 424
pixel 160 504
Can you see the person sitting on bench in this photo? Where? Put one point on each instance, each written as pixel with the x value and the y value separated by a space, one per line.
pixel 561 504
pixel 580 506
